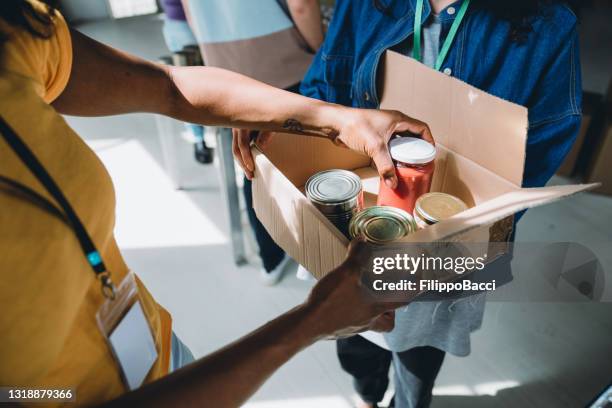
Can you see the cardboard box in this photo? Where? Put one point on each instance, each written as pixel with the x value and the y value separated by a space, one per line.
pixel 481 143
pixel 591 103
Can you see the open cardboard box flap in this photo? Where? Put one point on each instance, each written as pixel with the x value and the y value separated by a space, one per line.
pixel 495 210
pixel 481 143
pixel 481 127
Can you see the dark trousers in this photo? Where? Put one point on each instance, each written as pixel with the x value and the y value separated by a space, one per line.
pixel 270 253
pixel 369 365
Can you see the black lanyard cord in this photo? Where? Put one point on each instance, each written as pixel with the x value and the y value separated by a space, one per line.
pixel 89 249
pixel 35 197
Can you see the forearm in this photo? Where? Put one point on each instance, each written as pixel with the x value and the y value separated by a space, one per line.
pixel 306 15
pixel 228 377
pixel 219 97
pixel 107 81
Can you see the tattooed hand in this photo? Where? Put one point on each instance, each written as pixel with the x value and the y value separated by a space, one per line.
pixel 366 131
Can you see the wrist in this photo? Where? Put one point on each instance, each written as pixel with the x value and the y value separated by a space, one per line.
pixel 312 323
pixel 332 119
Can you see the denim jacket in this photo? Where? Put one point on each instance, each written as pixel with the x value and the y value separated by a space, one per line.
pixel 543 73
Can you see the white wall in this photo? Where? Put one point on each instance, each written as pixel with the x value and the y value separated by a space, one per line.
pixel 89 10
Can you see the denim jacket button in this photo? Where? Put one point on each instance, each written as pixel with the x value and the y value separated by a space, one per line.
pixel 448 71
pixel 451 11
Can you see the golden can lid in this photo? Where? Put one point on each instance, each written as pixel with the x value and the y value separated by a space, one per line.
pixel 382 224
pixel 435 207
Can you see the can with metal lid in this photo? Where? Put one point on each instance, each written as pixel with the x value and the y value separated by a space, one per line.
pixel 414 165
pixel 382 224
pixel 338 194
pixel 431 208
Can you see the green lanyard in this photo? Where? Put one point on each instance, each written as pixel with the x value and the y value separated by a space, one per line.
pixel 416 50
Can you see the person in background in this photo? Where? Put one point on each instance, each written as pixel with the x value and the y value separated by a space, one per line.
pixel 177 35
pixel 523 51
pixel 274 42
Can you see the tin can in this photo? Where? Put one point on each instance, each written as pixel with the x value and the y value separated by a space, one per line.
pixel 338 194
pixel 382 224
pixel 432 208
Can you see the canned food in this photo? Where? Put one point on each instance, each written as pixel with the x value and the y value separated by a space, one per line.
pixel 414 164
pixel 382 224
pixel 338 194
pixel 431 208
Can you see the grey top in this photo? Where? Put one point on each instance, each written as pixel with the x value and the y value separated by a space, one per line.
pixel 445 325
pixel 432 30
pixel 431 40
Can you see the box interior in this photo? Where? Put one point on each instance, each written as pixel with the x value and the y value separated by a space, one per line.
pixel 481 143
pixel 454 174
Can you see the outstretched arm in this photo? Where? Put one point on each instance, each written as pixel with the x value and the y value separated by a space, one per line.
pixel 337 306
pixel 228 377
pixel 106 81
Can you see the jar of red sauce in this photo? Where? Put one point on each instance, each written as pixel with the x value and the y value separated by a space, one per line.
pixel 414 163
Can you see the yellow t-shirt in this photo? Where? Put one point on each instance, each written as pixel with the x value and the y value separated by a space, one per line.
pixel 49 296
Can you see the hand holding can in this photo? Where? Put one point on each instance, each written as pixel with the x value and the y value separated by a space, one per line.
pixel 414 161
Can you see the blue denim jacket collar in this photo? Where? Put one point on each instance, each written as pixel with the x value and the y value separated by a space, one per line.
pixel 445 16
pixel 364 90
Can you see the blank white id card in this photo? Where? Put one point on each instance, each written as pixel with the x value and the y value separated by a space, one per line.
pixel 126 329
pixel 134 346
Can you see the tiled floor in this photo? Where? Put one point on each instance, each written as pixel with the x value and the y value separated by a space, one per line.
pixel 540 355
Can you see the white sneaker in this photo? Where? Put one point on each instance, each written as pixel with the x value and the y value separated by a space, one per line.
pixel 304 274
pixel 275 275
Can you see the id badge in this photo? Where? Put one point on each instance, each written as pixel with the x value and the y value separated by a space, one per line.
pixel 127 332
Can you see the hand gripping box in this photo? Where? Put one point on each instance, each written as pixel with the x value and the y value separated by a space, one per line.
pixel 481 142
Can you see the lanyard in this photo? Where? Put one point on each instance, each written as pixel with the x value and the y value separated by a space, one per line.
pixel 418 23
pixel 89 249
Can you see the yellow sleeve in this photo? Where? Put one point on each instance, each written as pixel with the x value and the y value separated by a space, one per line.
pixel 59 60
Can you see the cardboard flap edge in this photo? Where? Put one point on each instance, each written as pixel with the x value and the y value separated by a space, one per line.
pixel 497 209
